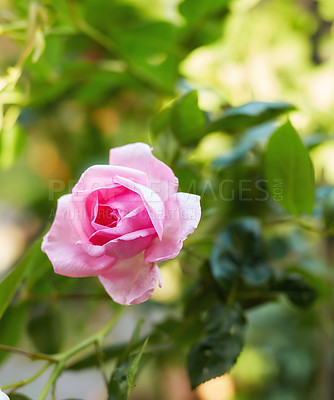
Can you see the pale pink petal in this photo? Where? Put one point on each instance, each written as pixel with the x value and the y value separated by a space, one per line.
pixel 131 281
pixel 183 213
pixel 67 257
pixel 125 246
pixel 80 220
pixel 139 156
pixel 153 203
pixel 101 176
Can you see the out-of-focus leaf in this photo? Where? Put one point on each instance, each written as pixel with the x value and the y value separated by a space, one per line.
pixel 187 120
pixel 19 396
pixel 11 282
pixel 46 330
pixel 253 137
pixel 12 327
pixel 296 289
pixel 238 252
pixel 247 115
pixel 257 274
pixel 218 351
pixel 150 51
pixel 193 11
pixel 320 285
pixel 328 210
pixel 312 141
pixel 289 171
pixel 12 137
pixel 31 266
pixel 277 247
pixel 161 121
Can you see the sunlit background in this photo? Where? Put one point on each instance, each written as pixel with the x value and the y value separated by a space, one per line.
pixel 73 101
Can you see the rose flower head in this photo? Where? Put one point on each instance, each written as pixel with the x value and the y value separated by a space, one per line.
pixel 119 221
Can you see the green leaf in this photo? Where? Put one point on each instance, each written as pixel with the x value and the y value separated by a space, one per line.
pixel 18 396
pixel 239 252
pixel 11 282
pixel 252 138
pixel 193 11
pixel 12 327
pixel 28 267
pixel 150 51
pixel 187 120
pixel 257 274
pixel 328 210
pixel 46 330
pixel 289 171
pixel 161 122
pixel 218 351
pixel 296 289
pixel 123 377
pixel 133 370
pixel 250 114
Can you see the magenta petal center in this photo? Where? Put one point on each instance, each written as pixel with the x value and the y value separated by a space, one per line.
pixel 107 216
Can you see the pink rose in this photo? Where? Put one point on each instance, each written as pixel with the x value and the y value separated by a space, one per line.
pixel 119 221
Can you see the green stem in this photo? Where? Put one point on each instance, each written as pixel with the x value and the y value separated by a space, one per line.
pixel 52 380
pixel 64 357
pixel 33 356
pixel 99 356
pixel 23 382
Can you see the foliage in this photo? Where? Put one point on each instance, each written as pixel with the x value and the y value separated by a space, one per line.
pixel 254 280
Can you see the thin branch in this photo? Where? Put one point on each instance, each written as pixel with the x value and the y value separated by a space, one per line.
pixel 32 356
pixel 99 356
pixel 17 385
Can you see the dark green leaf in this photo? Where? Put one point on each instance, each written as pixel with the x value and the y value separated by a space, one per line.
pixel 250 114
pixel 187 120
pixel 218 351
pixel 289 171
pixel 239 251
pixel 18 396
pixel 12 327
pixel 46 330
pixel 257 274
pixel 296 289
pixel 277 247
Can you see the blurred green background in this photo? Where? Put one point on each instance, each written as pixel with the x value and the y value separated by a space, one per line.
pixel 80 77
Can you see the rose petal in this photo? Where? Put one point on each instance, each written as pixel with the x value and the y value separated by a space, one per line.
pixel 131 281
pixel 67 257
pixel 136 220
pixel 183 213
pixel 153 203
pixel 123 200
pixel 139 156
pixel 125 246
pixel 101 176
